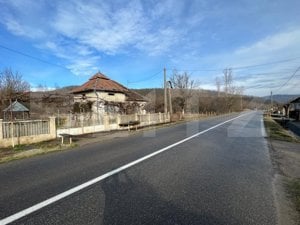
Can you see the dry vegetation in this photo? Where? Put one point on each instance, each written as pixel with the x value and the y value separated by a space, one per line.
pixel 286 158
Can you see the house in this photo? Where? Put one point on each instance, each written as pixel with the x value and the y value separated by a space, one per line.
pixel 16 111
pixel 294 109
pixel 103 95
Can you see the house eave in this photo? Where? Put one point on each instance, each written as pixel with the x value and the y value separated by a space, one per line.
pixel 97 90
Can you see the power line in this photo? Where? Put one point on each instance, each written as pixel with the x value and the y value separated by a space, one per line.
pixel 239 67
pixel 195 70
pixel 145 79
pixel 265 64
pixel 291 77
pixel 30 56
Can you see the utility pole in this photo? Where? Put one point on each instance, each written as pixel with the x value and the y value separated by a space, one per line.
pixel 170 97
pixel 241 102
pixel 11 124
pixel 165 92
pixel 97 103
pixel 271 101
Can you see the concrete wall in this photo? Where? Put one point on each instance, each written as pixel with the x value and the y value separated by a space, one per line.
pixel 12 141
pixel 145 120
pixel 110 122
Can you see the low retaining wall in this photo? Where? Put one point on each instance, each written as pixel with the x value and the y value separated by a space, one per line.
pixel 33 131
pixel 144 120
pixel 295 128
pixel 26 132
pixel 8 142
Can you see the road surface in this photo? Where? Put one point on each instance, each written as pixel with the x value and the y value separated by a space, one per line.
pixel 215 171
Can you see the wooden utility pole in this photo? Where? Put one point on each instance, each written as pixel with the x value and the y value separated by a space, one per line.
pixel 11 124
pixel 165 92
pixel 271 100
pixel 170 98
pixel 241 102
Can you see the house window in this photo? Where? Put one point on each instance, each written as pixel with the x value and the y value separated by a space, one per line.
pixel 112 94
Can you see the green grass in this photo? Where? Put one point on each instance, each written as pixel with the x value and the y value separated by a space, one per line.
pixel 18 148
pixel 277 132
pixel 293 188
pixel 22 151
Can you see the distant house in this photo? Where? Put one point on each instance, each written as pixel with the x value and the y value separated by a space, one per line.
pixel 107 96
pixel 16 111
pixel 294 109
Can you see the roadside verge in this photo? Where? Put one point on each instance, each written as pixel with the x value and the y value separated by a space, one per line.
pixel 26 151
pixel 285 155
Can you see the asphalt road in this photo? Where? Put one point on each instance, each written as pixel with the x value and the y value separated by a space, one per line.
pixel 221 176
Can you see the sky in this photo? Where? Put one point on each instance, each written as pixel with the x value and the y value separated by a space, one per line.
pixel 64 42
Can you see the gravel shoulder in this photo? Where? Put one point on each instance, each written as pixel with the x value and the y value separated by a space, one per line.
pixel 285 155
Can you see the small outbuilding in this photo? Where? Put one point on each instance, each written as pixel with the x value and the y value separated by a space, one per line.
pixel 16 111
pixel 294 109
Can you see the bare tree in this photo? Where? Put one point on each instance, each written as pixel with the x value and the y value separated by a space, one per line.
pixel 42 88
pixel 12 86
pixel 218 85
pixel 185 84
pixel 229 89
pixel 228 81
pixel 240 92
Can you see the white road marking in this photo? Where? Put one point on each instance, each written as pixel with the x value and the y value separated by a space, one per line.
pixel 263 129
pixel 71 191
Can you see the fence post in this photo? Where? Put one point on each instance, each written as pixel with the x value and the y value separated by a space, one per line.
pixel 149 118
pixel 81 122
pixel 118 120
pixel 1 129
pixel 106 122
pixel 52 126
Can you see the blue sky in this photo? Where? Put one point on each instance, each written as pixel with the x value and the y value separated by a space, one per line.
pixel 66 42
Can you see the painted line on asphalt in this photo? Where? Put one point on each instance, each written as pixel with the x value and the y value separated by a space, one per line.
pixel 71 191
pixel 263 129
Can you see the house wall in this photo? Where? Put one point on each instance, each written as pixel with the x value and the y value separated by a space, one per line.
pixel 107 96
pixel 297 106
pixel 294 110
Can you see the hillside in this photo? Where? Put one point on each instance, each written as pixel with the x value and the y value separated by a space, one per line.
pixel 281 99
pixel 60 101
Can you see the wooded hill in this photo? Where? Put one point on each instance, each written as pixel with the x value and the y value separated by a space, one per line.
pixel 200 100
pixel 46 103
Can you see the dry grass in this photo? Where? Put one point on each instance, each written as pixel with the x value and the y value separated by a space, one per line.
pixel 25 151
pixel 293 188
pixel 277 132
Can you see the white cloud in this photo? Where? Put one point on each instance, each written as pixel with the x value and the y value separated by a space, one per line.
pixel 279 43
pixel 99 27
pixel 273 48
pixel 78 32
pixel 73 30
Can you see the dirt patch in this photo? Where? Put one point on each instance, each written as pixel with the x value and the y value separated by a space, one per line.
pixel 287 157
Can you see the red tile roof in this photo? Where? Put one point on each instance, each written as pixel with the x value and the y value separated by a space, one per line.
pixel 100 82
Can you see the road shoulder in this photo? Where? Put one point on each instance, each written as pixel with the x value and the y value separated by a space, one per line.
pixel 285 155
